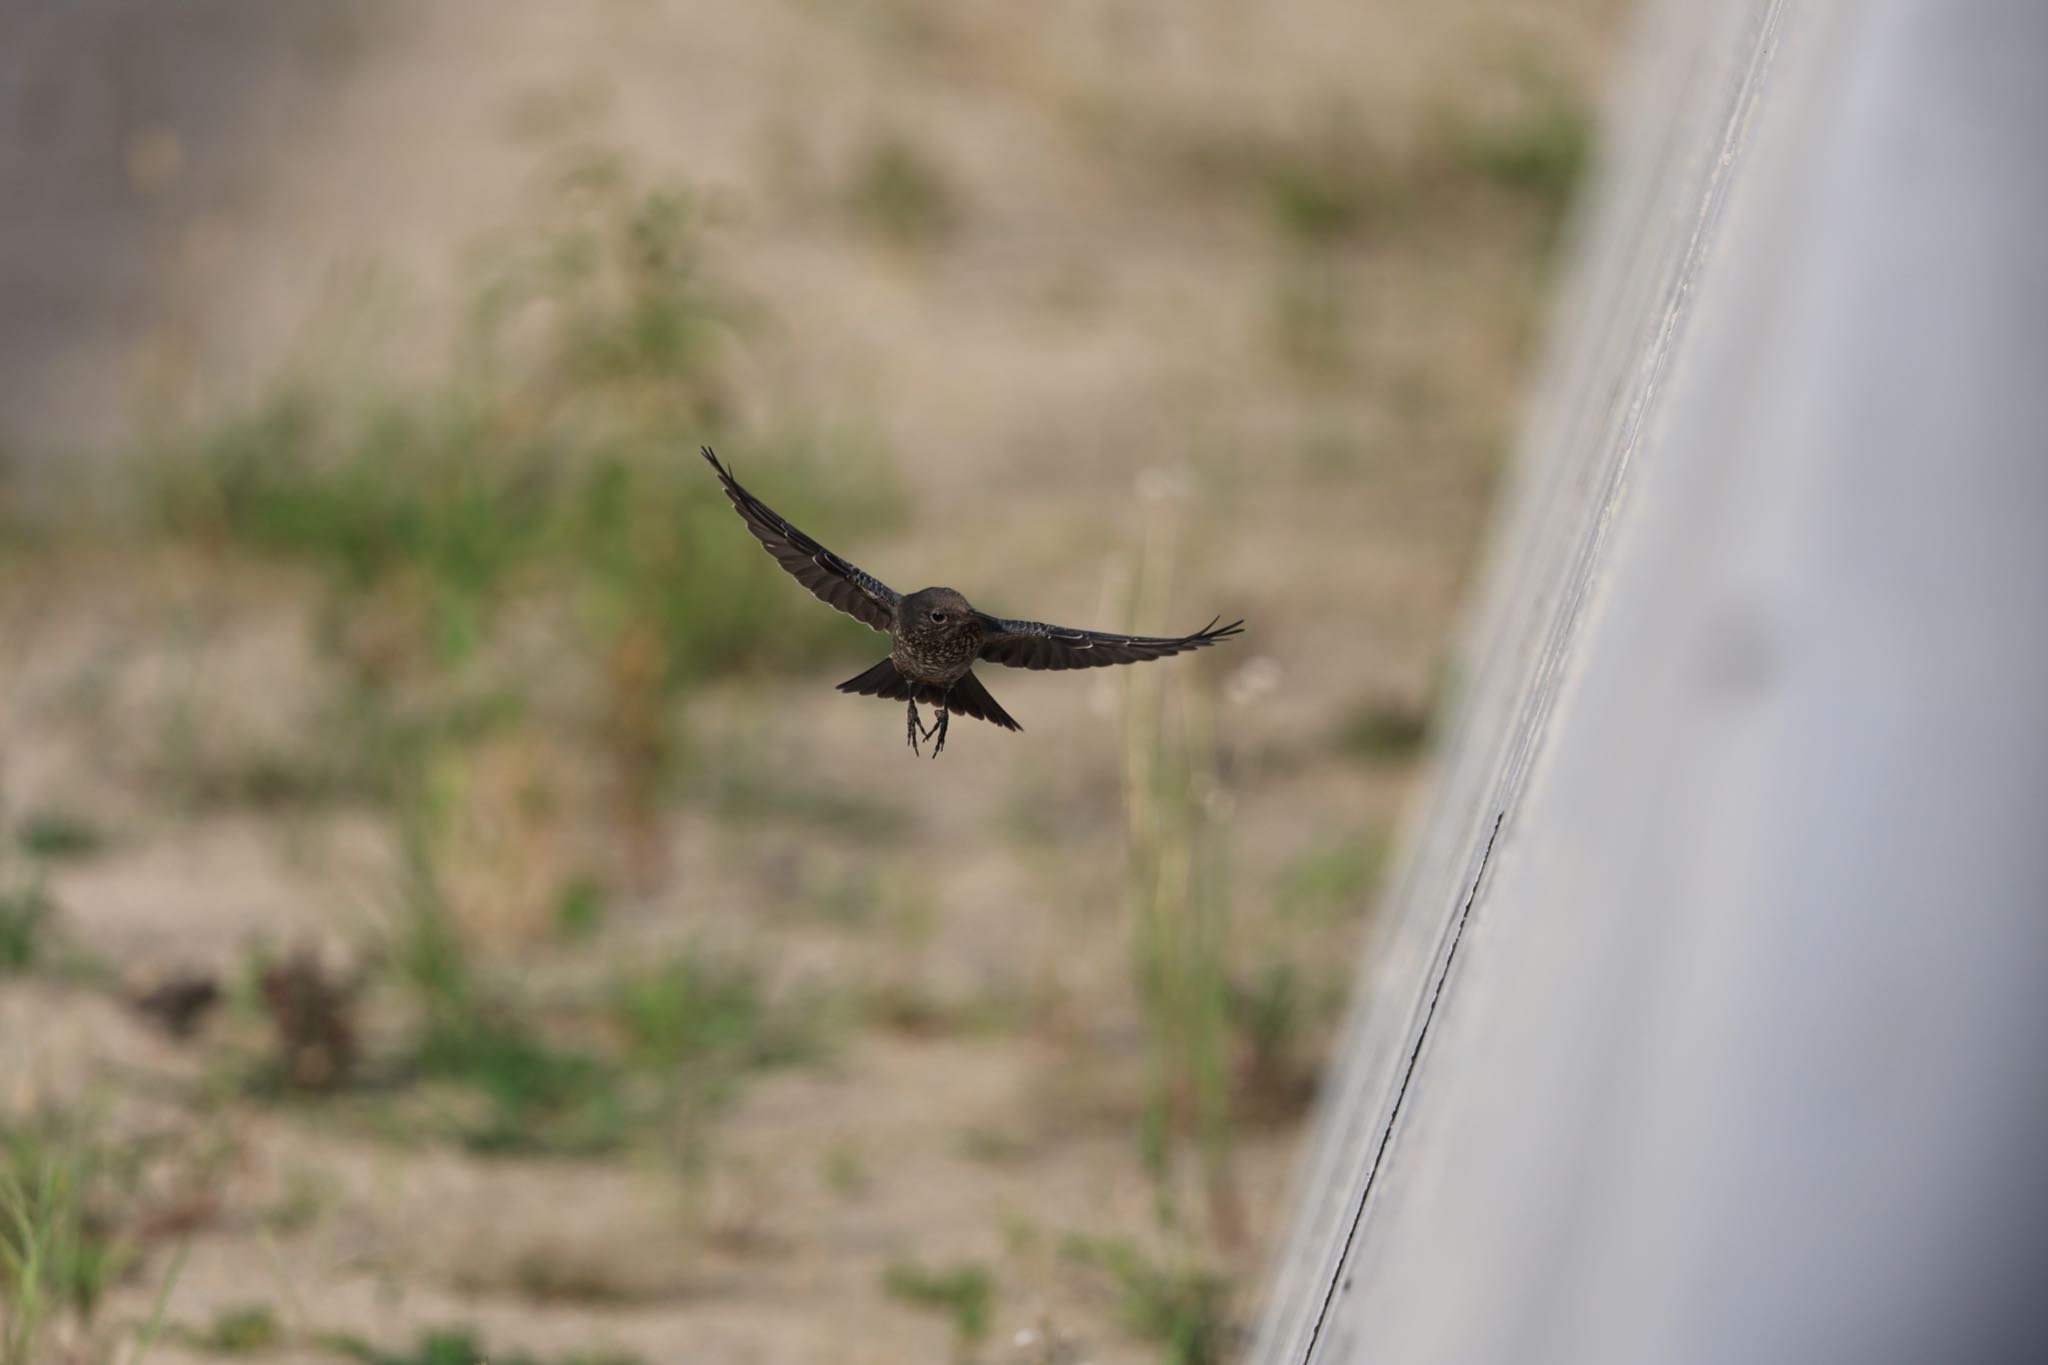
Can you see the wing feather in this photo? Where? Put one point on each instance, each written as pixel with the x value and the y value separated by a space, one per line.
pixel 1034 644
pixel 831 579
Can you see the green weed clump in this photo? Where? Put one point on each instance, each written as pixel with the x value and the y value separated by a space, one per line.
pixel 242 1331
pixel 1183 1308
pixel 1541 155
pixel 670 1040
pixel 1334 182
pixel 1333 186
pixel 1276 1019
pixel 676 1042
pixel 430 505
pixel 1332 877
pixel 56 835
pixel 459 1346
pixel 25 914
pixel 533 1094
pixel 904 195
pixel 61 1246
pixel 964 1294
pixel 700 1011
pixel 538 1096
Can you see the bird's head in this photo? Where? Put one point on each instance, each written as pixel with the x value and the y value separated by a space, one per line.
pixel 938 611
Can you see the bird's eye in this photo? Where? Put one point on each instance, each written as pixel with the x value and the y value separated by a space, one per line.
pixel 938 616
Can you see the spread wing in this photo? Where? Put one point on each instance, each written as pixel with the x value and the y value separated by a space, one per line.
pixel 834 581
pixel 1033 644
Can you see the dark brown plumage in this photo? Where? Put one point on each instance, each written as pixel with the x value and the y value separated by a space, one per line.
pixel 938 636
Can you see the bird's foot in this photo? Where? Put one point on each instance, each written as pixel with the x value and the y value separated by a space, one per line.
pixel 914 727
pixel 939 729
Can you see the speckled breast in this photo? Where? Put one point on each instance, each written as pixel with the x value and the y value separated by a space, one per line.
pixel 936 656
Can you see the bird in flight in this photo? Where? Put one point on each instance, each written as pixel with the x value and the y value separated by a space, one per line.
pixel 937 636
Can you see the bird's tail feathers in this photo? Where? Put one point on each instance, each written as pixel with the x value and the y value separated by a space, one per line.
pixel 970 698
pixel 967 697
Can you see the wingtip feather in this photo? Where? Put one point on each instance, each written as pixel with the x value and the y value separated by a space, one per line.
pixel 725 478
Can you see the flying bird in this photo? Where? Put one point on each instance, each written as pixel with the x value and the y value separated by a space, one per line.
pixel 936 635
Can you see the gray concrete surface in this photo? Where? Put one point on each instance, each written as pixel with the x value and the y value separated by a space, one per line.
pixel 197 193
pixel 1708 1024
pixel 122 124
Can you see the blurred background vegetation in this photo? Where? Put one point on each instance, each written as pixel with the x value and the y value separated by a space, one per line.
pixel 445 911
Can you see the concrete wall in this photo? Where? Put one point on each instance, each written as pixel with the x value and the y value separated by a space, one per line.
pixel 1709 1021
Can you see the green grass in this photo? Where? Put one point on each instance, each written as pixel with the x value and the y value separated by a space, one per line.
pixel 55 835
pixel 964 1294
pixel 239 1331
pixel 1326 184
pixel 1184 1309
pixel 461 1346
pixel 579 910
pixel 674 1037
pixel 1332 186
pixel 61 1243
pixel 1333 876
pixel 699 1012
pixel 1336 182
pixel 1541 155
pixel 1274 1014
pixel 516 1088
pixel 902 194
pixel 531 1093
pixel 671 1039
pixel 519 1089
pixel 537 1096
pixel 26 912
pixel 431 514
pixel 1267 1011
pixel 1315 206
